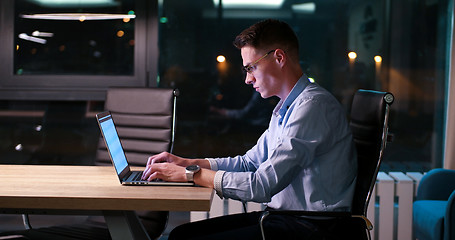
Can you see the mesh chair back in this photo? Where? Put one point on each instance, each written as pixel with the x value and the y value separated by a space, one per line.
pixel 145 120
pixel 369 125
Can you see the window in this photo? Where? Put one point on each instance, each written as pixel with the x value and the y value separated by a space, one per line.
pixel 74 39
pixel 396 46
pixel 74 50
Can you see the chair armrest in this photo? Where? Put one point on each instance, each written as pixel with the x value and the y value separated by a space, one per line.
pixel 437 184
pixel 449 226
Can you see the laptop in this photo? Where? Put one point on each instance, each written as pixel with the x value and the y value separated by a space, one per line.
pixel 118 157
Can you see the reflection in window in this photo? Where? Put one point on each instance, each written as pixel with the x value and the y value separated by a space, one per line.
pixel 74 37
pixel 345 45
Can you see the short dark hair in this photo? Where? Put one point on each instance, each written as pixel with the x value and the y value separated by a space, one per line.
pixel 269 33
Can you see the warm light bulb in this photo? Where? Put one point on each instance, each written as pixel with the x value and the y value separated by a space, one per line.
pixel 120 33
pixel 352 55
pixel 82 18
pixel 378 59
pixel 221 58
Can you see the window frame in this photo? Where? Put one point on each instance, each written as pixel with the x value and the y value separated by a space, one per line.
pixel 78 87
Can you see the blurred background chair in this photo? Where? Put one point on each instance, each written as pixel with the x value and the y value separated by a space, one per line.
pixel 369 125
pixel 145 120
pixel 434 208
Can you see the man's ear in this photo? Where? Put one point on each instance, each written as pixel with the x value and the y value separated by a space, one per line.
pixel 280 56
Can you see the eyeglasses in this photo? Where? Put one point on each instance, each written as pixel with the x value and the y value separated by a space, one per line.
pixel 252 66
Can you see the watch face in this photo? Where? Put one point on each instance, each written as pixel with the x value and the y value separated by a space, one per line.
pixel 192 168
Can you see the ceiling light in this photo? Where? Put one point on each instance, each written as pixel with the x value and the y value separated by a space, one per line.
pixel 261 4
pixel 32 39
pixel 77 16
pixel 42 34
pixel 304 7
pixel 74 3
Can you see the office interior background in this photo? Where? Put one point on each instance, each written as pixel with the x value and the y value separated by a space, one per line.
pixel 56 69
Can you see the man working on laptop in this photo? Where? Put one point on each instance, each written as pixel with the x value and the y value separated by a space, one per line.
pixel 305 160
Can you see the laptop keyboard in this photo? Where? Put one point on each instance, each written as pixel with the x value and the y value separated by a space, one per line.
pixel 138 177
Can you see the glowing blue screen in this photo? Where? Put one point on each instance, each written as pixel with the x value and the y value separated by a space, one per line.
pixel 113 144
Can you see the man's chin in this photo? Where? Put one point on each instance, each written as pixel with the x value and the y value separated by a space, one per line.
pixel 264 95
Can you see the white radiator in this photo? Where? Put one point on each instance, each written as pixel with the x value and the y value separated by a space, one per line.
pixel 390 208
pixel 391 212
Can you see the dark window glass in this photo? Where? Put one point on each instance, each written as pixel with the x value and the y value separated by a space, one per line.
pixel 397 46
pixel 79 46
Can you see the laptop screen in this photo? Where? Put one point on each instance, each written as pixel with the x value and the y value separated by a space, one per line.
pixel 113 143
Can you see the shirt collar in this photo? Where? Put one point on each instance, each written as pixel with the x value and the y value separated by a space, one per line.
pixel 283 106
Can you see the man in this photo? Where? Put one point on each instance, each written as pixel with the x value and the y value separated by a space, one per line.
pixel 305 160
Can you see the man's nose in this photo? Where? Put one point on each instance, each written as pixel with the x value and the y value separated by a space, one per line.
pixel 249 78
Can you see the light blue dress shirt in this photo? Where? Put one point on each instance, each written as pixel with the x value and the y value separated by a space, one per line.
pixel 305 160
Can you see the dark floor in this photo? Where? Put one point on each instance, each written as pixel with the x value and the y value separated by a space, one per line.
pixel 12 222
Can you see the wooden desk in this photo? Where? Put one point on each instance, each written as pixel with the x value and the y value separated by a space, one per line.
pixel 42 189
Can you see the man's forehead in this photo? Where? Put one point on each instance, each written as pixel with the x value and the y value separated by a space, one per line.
pixel 248 54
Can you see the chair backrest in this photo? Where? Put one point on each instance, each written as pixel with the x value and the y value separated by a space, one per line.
pixel 369 125
pixel 145 120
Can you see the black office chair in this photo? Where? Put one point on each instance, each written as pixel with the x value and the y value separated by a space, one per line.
pixel 369 125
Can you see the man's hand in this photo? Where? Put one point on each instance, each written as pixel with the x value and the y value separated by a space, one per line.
pixel 166 171
pixel 167 157
pixel 169 167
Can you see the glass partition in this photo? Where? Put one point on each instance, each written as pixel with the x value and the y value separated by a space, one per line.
pixel 396 46
pixel 385 45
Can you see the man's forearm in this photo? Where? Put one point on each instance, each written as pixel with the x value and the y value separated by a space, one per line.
pixel 205 178
pixel 203 163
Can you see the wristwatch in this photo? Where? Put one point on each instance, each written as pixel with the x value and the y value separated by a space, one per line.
pixel 190 171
